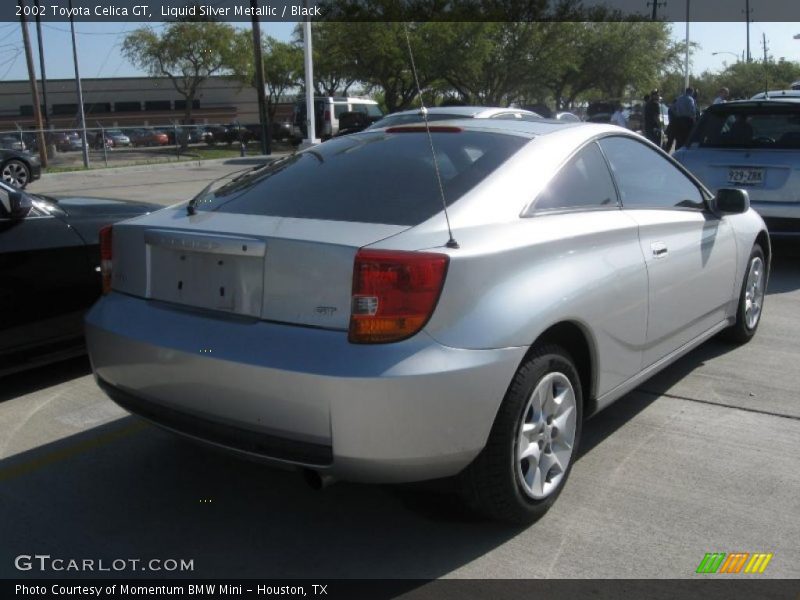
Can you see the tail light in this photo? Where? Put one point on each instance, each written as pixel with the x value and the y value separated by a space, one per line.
pixel 105 258
pixel 394 293
pixel 327 116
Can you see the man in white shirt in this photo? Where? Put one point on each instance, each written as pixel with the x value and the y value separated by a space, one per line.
pixel 722 96
pixel 619 118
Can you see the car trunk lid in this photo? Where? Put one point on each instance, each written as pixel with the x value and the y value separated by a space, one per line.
pixel 295 271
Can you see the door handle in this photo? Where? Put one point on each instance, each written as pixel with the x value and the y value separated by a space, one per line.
pixel 659 249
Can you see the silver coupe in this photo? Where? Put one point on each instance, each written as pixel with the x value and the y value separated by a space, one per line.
pixel 328 312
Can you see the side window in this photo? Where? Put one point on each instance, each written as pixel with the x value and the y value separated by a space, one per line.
pixel 584 182
pixel 338 109
pixel 646 179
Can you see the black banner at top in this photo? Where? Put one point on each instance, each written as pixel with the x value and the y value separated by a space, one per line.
pixel 398 10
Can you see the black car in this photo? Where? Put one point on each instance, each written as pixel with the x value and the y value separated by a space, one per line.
pixel 49 260
pixel 18 169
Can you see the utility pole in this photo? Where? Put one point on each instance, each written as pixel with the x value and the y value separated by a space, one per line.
pixel 686 79
pixel 37 108
pixel 46 115
pixel 766 70
pixel 655 4
pixel 747 11
pixel 266 130
pixel 80 90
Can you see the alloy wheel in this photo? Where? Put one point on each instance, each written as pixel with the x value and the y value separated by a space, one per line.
pixel 546 436
pixel 754 292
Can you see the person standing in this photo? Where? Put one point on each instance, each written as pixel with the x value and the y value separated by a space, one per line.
pixel 619 118
pixel 722 96
pixel 652 118
pixel 685 114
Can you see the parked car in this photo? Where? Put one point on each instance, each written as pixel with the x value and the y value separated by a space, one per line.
pixel 442 113
pixel 567 117
pixel 65 141
pixel 12 142
pixel 149 137
pixel 778 94
pixel 753 145
pixel 282 316
pixel 118 139
pixel 50 258
pixel 328 109
pixel 18 169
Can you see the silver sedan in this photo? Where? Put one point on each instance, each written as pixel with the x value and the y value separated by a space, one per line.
pixel 326 311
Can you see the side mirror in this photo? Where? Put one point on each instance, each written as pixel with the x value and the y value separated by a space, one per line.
pixel 730 201
pixel 19 205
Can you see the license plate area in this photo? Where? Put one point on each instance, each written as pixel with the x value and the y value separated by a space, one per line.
pixel 745 176
pixel 206 271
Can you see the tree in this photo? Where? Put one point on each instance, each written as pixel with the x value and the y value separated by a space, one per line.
pixel 283 66
pixel 333 65
pixel 187 53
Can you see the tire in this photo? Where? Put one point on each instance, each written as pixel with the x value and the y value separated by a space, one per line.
pixel 15 173
pixel 503 483
pixel 751 298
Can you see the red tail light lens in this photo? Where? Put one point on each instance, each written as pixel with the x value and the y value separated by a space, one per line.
pixel 394 293
pixel 327 116
pixel 105 258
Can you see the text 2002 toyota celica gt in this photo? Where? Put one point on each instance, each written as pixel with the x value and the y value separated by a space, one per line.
pixel 317 311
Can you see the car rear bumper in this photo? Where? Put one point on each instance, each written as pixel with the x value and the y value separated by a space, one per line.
pixel 406 411
pixel 782 218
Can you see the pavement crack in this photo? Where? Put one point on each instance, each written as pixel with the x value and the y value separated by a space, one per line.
pixel 744 408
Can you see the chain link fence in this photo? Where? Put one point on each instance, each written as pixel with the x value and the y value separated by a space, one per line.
pixel 111 146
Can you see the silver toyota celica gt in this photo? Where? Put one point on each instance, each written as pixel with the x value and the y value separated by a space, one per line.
pixel 318 311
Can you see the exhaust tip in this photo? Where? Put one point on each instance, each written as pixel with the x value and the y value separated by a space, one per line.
pixel 316 481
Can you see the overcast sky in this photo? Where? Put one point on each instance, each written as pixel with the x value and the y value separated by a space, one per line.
pixel 99 45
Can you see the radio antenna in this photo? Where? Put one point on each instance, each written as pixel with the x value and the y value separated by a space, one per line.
pixel 451 243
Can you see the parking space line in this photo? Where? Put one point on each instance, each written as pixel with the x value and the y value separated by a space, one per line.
pixel 69 452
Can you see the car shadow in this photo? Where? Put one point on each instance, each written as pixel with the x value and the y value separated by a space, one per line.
pixel 32 380
pixel 785 275
pixel 126 489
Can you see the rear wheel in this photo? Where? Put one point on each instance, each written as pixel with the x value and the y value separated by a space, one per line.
pixel 751 298
pixel 15 173
pixel 530 451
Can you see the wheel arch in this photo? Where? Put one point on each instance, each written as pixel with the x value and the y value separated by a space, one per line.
pixel 575 338
pixel 762 239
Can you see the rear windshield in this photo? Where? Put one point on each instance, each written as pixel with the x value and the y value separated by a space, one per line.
pixel 776 126
pixel 374 177
pixel 405 119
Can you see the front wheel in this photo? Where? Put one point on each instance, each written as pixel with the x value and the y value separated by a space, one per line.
pixel 751 298
pixel 533 442
pixel 16 173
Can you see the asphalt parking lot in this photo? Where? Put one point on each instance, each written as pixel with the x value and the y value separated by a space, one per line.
pixel 702 458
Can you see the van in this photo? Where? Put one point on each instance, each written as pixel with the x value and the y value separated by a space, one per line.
pixel 328 109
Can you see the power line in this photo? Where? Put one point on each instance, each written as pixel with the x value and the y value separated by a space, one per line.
pixel 11 66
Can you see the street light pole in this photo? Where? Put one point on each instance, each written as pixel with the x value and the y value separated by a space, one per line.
pixel 266 137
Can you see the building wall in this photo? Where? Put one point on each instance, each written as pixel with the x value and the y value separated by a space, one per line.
pixel 221 100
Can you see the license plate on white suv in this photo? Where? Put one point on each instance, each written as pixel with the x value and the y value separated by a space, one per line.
pixel 745 176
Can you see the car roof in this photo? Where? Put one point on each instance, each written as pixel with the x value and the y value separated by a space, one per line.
pixel 755 102
pixel 780 94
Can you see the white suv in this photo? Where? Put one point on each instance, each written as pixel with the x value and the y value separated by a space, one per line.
pixel 327 111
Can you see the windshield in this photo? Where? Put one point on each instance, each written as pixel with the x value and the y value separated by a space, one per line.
pixel 369 178
pixel 775 126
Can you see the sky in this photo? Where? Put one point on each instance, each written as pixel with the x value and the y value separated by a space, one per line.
pixel 99 46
